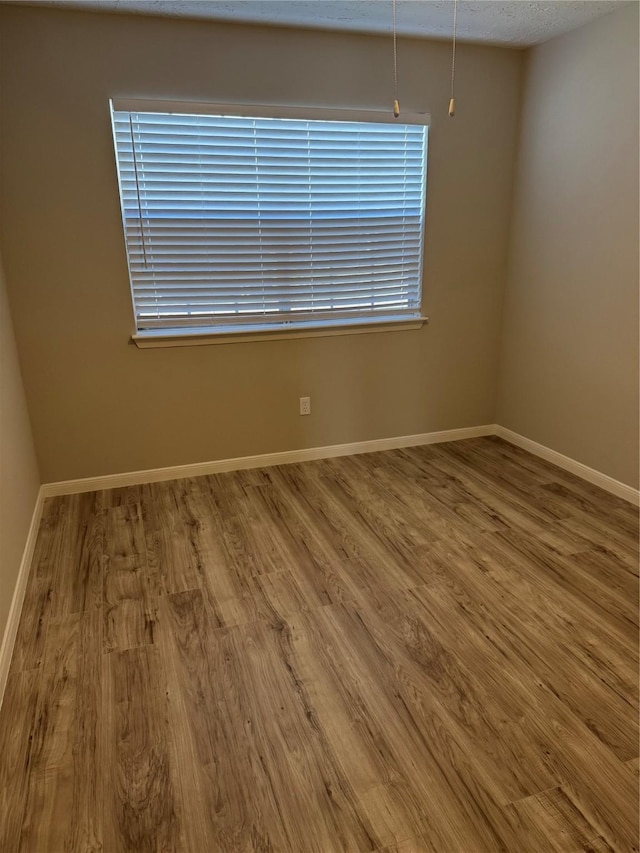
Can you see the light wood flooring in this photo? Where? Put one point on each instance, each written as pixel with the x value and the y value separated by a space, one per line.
pixel 432 649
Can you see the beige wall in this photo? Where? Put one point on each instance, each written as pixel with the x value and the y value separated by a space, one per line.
pixel 569 365
pixel 19 480
pixel 99 405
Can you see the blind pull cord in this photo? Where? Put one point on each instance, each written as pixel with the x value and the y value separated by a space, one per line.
pixel 452 101
pixel 396 105
pixel 135 170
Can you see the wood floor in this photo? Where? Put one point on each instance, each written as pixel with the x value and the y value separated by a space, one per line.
pixel 432 649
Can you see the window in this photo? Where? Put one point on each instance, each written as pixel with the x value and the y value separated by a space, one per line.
pixel 242 223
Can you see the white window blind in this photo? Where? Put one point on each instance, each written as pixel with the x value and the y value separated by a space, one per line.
pixel 245 221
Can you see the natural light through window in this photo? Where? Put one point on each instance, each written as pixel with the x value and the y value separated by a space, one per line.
pixel 241 223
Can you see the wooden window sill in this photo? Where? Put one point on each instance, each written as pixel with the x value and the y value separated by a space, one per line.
pixel 185 338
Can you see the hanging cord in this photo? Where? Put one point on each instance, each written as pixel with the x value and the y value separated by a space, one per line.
pixel 452 102
pixel 135 170
pixel 396 105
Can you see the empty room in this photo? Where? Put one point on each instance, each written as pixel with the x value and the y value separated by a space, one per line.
pixel 319 426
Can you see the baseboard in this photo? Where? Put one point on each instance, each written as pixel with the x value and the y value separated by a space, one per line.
pixel 628 493
pixel 264 460
pixel 11 628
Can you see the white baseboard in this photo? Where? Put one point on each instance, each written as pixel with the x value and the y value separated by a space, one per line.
pixel 264 460
pixel 11 628
pixel 622 490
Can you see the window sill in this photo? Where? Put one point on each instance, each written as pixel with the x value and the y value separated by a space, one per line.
pixel 186 338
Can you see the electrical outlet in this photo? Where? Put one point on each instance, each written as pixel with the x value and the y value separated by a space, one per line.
pixel 305 405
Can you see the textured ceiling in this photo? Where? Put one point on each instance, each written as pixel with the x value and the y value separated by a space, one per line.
pixel 517 23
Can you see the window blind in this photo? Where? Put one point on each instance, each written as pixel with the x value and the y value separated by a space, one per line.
pixel 246 221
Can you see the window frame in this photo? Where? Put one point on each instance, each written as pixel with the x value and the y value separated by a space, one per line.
pixel 231 333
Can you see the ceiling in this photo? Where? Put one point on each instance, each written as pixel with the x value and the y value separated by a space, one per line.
pixel 518 23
